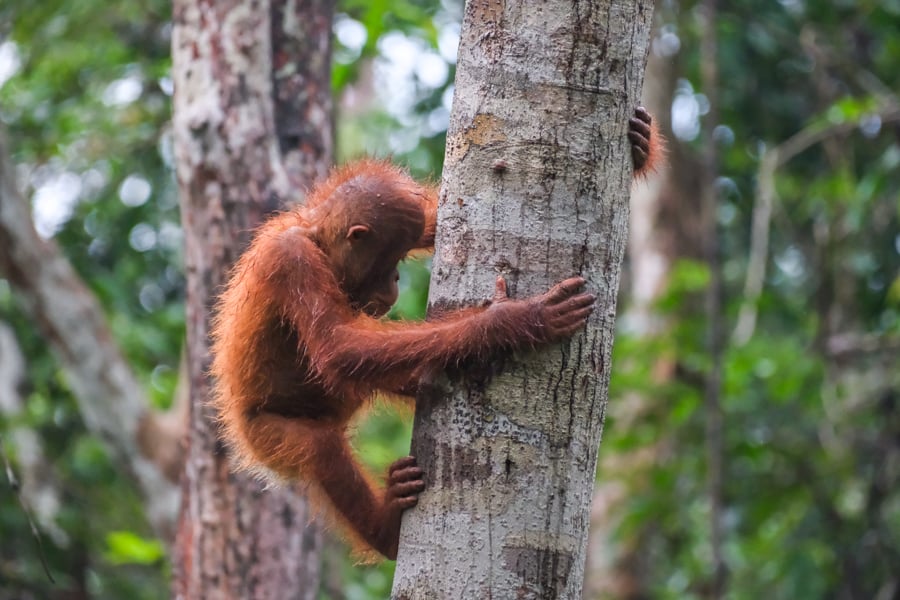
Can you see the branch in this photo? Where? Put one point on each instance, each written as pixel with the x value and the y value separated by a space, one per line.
pixel 853 345
pixel 109 397
pixel 765 200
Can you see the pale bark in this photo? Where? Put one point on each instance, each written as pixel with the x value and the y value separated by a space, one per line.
pixel 239 538
pixel 110 399
pixel 535 189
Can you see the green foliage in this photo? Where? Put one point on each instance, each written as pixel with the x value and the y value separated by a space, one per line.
pixel 810 501
pixel 124 547
pixel 86 114
pixel 414 279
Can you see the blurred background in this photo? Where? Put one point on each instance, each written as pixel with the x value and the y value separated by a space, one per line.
pixel 779 480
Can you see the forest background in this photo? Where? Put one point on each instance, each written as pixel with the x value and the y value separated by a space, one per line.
pixel 803 119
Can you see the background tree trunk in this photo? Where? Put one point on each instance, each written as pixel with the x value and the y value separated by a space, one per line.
pixel 535 188
pixel 247 76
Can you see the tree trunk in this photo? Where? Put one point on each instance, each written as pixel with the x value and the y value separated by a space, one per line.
pixel 247 77
pixel 535 189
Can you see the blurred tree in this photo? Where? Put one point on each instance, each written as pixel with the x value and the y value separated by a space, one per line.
pixel 806 137
pixel 82 92
pixel 253 125
pixel 112 404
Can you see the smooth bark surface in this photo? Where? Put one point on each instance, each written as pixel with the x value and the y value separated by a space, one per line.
pixel 535 189
pixel 239 538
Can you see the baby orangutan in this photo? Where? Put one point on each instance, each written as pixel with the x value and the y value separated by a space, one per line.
pixel 298 346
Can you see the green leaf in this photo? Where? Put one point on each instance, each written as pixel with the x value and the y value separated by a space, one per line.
pixel 126 547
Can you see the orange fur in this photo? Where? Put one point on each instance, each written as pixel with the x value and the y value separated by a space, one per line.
pixel 298 347
pixel 656 155
pixel 648 145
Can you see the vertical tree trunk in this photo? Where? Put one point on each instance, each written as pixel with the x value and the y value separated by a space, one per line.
pixel 237 538
pixel 535 188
